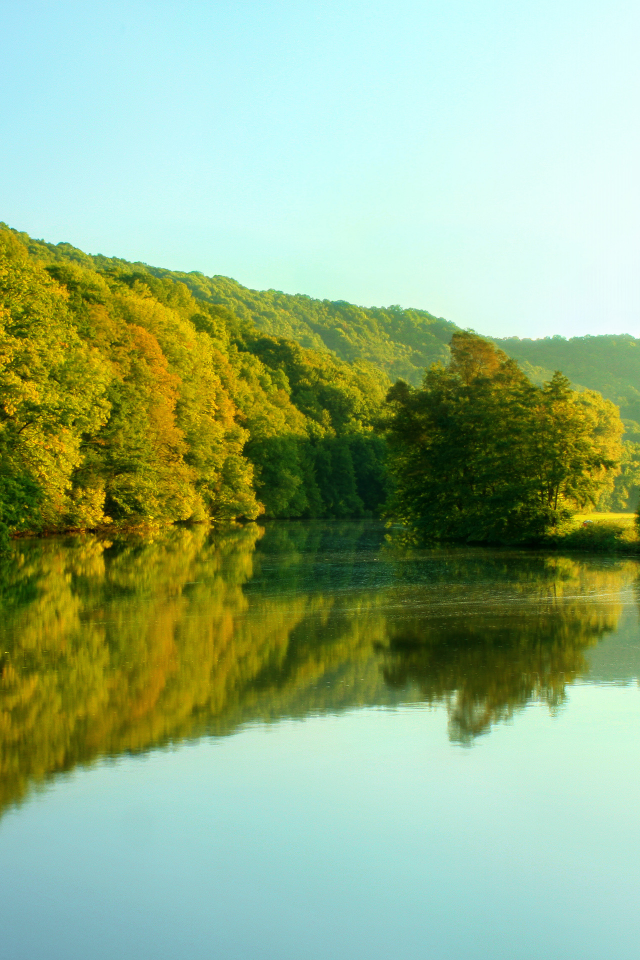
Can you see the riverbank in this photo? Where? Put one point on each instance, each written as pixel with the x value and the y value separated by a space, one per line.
pixel 595 533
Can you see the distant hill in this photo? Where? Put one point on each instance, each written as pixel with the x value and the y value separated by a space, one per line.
pixel 403 343
pixel 608 363
pixel 400 342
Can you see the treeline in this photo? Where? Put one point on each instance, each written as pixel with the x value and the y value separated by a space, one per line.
pixel 608 363
pixel 399 342
pixel 124 398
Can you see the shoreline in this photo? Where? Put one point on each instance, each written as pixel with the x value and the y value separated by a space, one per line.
pixel 600 538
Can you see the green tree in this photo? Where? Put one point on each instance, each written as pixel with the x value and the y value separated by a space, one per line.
pixel 481 454
pixel 52 393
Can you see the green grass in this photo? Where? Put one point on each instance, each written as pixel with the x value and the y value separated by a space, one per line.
pixel 625 519
pixel 599 533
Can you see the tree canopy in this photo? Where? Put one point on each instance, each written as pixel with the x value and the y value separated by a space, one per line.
pixel 480 453
pixel 123 398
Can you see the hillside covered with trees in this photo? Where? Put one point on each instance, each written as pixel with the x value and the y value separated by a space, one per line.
pixel 124 398
pixel 131 394
pixel 609 364
pixel 400 342
pixel 405 342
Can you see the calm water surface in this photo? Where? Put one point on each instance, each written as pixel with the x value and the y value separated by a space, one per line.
pixel 301 744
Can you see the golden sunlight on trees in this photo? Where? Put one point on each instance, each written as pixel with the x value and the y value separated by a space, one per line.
pixel 132 395
pixel 124 399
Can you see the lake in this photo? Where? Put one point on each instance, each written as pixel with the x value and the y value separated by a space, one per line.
pixel 301 742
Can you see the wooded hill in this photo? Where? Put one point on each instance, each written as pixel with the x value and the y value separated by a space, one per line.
pixel 124 398
pixel 405 342
pixel 130 393
pixel 400 342
pixel 609 364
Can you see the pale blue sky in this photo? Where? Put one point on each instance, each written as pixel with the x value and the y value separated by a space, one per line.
pixel 477 159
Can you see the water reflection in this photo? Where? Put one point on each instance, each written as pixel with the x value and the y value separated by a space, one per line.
pixel 109 648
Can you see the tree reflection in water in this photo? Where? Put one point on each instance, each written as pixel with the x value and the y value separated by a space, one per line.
pixel 113 648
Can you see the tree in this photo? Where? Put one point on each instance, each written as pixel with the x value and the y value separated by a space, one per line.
pixel 481 454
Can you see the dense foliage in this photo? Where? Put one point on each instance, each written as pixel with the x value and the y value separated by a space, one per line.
pixel 399 342
pixel 130 393
pixel 609 364
pixel 124 398
pixel 480 453
pixel 405 342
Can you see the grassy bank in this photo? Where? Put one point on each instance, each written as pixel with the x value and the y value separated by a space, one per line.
pixel 598 533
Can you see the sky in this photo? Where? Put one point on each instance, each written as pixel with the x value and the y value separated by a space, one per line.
pixel 479 160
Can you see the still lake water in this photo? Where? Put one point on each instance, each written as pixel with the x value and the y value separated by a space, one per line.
pixel 300 744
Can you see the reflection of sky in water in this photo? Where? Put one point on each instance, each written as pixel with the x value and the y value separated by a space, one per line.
pixel 361 835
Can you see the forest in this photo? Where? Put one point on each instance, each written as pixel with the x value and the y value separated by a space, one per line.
pixel 125 399
pixel 131 394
